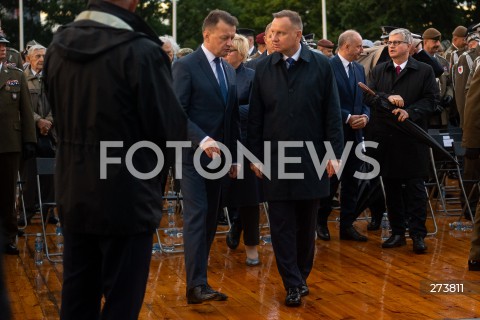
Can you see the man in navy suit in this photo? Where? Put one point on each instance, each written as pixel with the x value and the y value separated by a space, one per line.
pixel 355 116
pixel 206 87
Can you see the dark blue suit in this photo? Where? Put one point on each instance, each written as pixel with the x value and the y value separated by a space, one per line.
pixel 199 93
pixel 351 103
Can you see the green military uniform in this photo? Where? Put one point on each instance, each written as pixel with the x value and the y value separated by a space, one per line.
pixel 14 58
pixel 446 89
pixel 460 74
pixel 16 129
pixel 471 139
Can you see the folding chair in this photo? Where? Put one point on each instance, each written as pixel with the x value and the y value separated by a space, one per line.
pixel 46 167
pixel 459 155
pixel 19 203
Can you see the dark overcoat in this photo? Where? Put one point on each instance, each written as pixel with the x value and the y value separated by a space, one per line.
pixel 298 104
pixel 401 156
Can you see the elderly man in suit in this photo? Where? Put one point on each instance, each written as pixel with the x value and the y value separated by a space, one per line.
pixel 18 135
pixel 410 86
pixel 206 87
pixel 355 116
pixel 294 100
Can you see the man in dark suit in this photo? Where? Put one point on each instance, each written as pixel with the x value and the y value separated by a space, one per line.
pixel 206 87
pixel 410 86
pixel 295 100
pixel 18 138
pixel 355 116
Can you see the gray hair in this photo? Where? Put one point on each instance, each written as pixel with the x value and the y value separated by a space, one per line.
pixel 169 39
pixel 34 48
pixel 407 35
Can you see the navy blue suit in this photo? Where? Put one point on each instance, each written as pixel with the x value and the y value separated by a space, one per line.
pixel 351 103
pixel 199 93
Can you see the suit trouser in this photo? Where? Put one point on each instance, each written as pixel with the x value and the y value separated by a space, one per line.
pixel 292 227
pixel 9 163
pixel 406 198
pixel 471 172
pixel 201 198
pixel 113 266
pixel 5 312
pixel 475 248
pixel 250 217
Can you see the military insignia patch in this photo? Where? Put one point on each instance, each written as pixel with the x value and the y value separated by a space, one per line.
pixel 13 83
pixel 460 69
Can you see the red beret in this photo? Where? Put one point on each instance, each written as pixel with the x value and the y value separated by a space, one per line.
pixel 325 43
pixel 259 39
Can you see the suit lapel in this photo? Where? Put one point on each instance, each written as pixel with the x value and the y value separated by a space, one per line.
pixel 4 75
pixel 341 71
pixel 207 70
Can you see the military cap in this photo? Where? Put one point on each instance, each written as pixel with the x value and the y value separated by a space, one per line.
pixel 367 43
pixel 473 36
pixel 30 44
pixel 474 28
pixel 3 40
pixel 432 33
pixel 246 32
pixel 460 31
pixel 386 31
pixel 325 43
pixel 259 38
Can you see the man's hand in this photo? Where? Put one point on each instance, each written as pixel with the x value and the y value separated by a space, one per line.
pixel 402 114
pixel 44 126
pixel 396 100
pixel 332 167
pixel 358 121
pixel 211 148
pixel 234 171
pixel 257 168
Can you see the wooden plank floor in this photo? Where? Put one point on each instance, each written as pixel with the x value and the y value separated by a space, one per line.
pixel 349 280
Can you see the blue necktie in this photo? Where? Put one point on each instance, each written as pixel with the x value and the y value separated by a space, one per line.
pixel 290 62
pixel 221 79
pixel 351 76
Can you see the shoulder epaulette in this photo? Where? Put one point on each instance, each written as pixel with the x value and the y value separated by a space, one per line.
pixel 12 49
pixel 13 66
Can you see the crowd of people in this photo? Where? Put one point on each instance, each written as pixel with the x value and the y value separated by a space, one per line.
pixel 128 85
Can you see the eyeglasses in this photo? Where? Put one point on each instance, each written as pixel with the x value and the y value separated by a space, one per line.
pixel 395 43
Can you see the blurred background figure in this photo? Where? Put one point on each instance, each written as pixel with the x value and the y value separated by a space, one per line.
pixel 244 194
pixel 250 35
pixel 326 47
pixel 170 46
pixel 183 52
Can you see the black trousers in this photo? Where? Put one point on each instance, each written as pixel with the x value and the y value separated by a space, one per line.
pixel 250 216
pixel 115 267
pixel 9 163
pixel 4 301
pixel 292 227
pixel 406 198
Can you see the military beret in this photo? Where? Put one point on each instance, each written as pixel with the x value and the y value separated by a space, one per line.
pixel 259 38
pixel 246 32
pixel 460 31
pixel 3 40
pixel 432 33
pixel 325 43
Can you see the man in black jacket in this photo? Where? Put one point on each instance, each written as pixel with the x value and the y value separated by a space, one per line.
pixel 109 85
pixel 294 100
pixel 410 86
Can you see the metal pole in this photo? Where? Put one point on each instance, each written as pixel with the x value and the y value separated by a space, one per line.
pixel 174 20
pixel 324 19
pixel 20 22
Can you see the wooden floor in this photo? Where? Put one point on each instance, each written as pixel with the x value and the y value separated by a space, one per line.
pixel 349 280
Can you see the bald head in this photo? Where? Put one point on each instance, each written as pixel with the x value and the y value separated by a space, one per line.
pixel 350 45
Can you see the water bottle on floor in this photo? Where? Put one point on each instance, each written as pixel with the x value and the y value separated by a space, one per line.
pixel 38 255
pixel 461 226
pixel 385 225
pixel 59 235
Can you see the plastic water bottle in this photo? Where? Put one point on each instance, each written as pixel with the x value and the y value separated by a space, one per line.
pixel 385 225
pixel 59 235
pixel 155 248
pixel 38 250
pixel 461 226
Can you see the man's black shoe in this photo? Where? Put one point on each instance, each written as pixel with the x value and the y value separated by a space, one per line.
pixel 419 245
pixel 52 220
pixel 304 291
pixel 351 233
pixel 233 236
pixel 322 232
pixel 395 240
pixel 222 220
pixel 11 249
pixel 473 265
pixel 203 293
pixel 293 299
